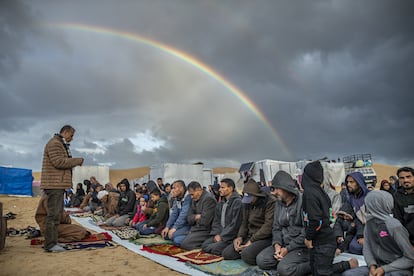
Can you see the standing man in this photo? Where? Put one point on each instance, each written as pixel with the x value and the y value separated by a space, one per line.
pixel 404 200
pixel 56 177
pixel 227 219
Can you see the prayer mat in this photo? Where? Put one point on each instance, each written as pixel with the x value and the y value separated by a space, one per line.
pixel 37 241
pixel 225 267
pixel 163 249
pixel 197 256
pixel 82 215
pixel 256 271
pixel 73 212
pixel 100 237
pixel 87 245
pixel 104 236
pixel 149 240
pixel 125 232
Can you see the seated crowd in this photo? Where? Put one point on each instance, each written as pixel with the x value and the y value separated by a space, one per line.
pixel 291 228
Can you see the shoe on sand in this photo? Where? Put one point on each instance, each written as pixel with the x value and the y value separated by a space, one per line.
pixel 56 249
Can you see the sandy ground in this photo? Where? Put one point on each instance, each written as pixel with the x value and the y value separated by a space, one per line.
pixel 20 258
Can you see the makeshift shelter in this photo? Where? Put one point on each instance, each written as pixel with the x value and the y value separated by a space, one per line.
pixel 81 173
pixel 16 181
pixel 170 172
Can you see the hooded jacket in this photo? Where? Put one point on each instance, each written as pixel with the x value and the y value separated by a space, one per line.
pixel 57 165
pixel 386 241
pixel 232 218
pixel 288 228
pixel 257 219
pixel 126 202
pixel 316 206
pixel 358 203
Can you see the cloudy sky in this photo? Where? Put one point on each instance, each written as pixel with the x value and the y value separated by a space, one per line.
pixel 221 82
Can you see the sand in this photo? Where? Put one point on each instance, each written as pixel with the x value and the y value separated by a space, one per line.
pixel 20 258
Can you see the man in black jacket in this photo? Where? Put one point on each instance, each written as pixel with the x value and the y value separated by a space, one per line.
pixel 404 200
pixel 125 206
pixel 200 216
pixel 255 232
pixel 227 219
pixel 319 236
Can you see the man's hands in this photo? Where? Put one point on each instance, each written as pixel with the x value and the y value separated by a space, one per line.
pixel 376 271
pixel 166 232
pixel 280 252
pixel 238 246
pixel 308 244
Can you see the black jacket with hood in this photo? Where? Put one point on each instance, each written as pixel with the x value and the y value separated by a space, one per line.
pixel 316 206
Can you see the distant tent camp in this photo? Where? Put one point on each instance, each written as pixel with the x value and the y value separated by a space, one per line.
pixel 15 181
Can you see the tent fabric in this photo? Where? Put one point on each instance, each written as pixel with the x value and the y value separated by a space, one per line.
pixel 15 181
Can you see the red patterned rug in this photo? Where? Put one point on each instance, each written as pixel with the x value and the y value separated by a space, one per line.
pixel 163 249
pixel 199 257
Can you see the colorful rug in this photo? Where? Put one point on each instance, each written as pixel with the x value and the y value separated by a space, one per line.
pixel 99 237
pixel 226 267
pixel 197 256
pixel 150 240
pixel 104 236
pixel 163 249
pixel 125 232
pixel 88 245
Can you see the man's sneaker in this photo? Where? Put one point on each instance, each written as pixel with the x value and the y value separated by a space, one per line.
pixel 56 249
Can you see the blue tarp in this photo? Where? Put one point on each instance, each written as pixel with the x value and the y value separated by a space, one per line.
pixel 14 181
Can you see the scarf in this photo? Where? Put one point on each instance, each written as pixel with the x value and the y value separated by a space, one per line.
pixel 66 145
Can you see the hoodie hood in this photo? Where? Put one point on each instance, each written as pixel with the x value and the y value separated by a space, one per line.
pixel 312 175
pixel 151 186
pixel 379 204
pixel 358 203
pixel 359 178
pixel 283 180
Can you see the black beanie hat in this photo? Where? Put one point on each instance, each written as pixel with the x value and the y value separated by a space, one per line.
pixel 314 171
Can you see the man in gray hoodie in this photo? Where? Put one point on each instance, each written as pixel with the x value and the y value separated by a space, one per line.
pixel 288 252
pixel 387 249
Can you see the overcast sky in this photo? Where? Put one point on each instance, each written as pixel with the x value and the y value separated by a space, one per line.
pixel 331 78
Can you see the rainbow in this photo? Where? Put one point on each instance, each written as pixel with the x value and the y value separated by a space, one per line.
pixel 183 57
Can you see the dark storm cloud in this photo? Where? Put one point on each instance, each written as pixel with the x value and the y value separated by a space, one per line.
pixel 332 77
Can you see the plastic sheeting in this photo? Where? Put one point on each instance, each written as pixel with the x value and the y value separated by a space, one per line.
pixel 15 181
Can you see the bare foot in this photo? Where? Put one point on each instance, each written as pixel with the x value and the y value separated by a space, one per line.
pixel 353 263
